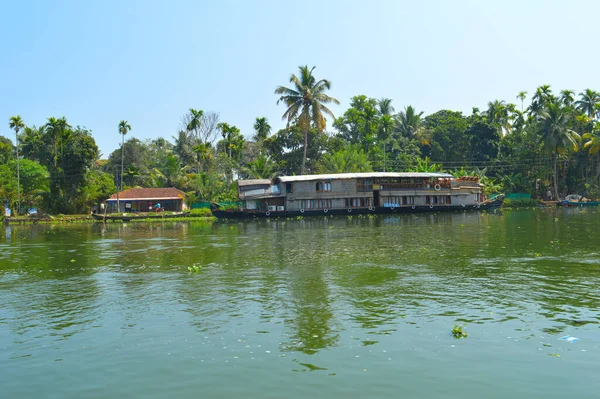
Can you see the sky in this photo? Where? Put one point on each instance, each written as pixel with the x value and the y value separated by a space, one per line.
pixel 148 62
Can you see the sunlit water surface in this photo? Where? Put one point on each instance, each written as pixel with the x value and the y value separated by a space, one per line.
pixel 324 307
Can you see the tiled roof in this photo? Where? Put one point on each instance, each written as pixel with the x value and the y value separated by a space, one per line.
pixel 149 194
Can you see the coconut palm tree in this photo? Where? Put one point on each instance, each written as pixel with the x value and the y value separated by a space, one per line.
pixel 262 129
pixel 124 128
pixel 588 103
pixel 567 97
pixel 554 124
pixel 522 96
pixel 385 106
pixel 16 123
pixel 262 167
pixel 386 126
pixel 409 122
pixel 306 103
pixel 543 95
pixel 593 144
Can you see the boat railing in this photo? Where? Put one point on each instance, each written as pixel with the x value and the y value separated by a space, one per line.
pixel 421 186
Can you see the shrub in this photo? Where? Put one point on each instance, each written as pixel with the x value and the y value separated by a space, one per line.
pixel 520 203
pixel 201 212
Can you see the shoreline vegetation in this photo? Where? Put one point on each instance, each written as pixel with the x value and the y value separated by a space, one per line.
pixel 508 205
pixel 544 148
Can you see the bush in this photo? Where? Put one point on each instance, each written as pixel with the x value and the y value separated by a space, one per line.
pixel 520 203
pixel 201 212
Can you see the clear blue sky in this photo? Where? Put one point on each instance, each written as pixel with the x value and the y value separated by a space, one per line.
pixel 97 62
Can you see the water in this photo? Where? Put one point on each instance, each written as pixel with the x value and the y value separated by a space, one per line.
pixel 324 308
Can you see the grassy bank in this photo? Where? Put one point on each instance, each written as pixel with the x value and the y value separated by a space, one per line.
pixel 195 215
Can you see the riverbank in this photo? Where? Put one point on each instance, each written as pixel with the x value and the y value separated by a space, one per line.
pixel 63 219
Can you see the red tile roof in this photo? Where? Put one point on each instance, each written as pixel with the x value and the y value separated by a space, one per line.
pixel 149 194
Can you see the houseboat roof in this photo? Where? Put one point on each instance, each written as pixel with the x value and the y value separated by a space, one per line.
pixel 143 194
pixel 254 182
pixel 368 175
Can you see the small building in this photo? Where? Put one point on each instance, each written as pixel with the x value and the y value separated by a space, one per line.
pixel 144 199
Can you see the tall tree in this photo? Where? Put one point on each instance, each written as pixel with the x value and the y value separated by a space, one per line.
pixel 410 122
pixel 567 97
pixel 588 103
pixel 306 103
pixel 17 124
pixel 262 130
pixel 195 122
pixel 556 135
pixel 522 96
pixel 124 128
pixel 385 107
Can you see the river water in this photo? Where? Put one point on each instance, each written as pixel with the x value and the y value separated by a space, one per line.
pixel 321 308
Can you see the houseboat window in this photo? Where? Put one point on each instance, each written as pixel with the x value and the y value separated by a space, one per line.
pixel 323 186
pixel 289 188
pixel 427 200
pixel 435 200
pixel 448 199
pixel 316 204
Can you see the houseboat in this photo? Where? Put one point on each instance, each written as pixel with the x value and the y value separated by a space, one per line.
pixel 358 193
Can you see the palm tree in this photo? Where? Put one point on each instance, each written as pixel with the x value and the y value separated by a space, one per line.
pixel 593 144
pixel 522 96
pixel 306 103
pixel 589 102
pixel 262 167
pixel 195 121
pixel 124 128
pixel 385 106
pixel 567 97
pixel 554 122
pixel 543 95
pixel 262 129
pixel 386 125
pixel 409 122
pixel 16 123
pixel 498 113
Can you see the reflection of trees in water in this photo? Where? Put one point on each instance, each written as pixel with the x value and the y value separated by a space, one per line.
pixel 57 288
pixel 311 319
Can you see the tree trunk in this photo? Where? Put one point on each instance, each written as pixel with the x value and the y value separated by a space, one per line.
pixel 18 174
pixel 555 173
pixel 305 145
pixel 384 156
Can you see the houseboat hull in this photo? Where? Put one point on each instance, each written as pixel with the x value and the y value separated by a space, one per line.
pixel 488 205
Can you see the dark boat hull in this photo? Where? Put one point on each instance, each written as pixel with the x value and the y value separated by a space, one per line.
pixel 574 203
pixel 122 218
pixel 355 211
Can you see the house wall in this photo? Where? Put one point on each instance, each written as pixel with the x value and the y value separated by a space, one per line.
pixel 143 206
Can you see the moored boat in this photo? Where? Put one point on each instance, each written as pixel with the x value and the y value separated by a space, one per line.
pixel 580 203
pixel 358 193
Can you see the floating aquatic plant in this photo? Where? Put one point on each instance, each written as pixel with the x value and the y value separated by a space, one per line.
pixel 458 332
pixel 195 268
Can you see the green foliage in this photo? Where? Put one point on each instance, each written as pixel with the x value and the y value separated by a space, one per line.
pixel 519 203
pixel 351 159
pixel 35 183
pixel 6 150
pixel 195 268
pixel 458 332
pixel 201 212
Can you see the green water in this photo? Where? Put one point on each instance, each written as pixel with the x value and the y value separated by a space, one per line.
pixel 323 308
